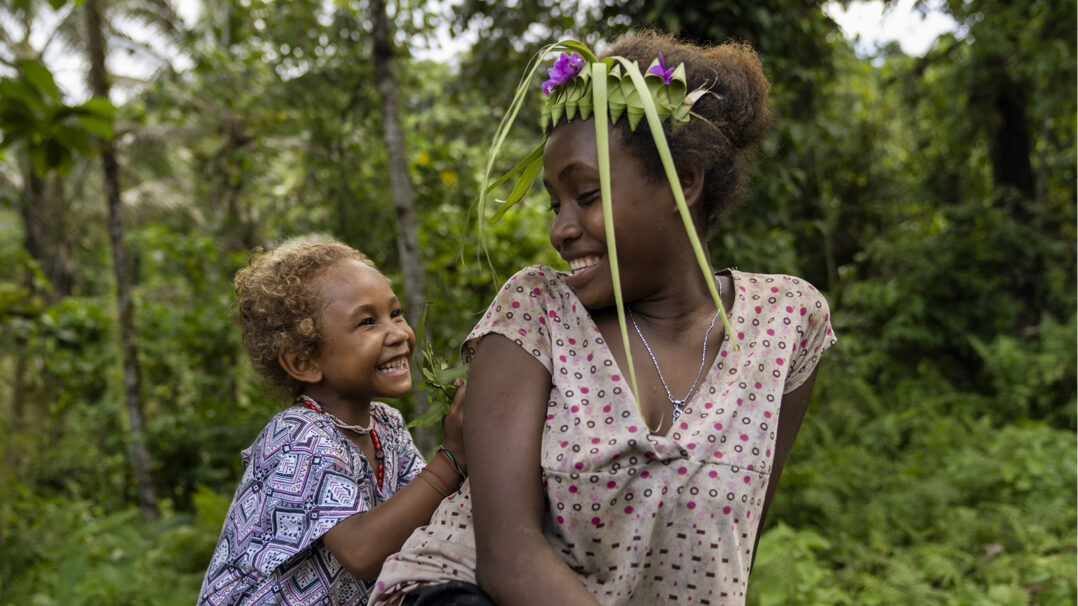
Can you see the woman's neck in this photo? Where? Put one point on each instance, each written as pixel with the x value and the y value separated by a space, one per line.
pixel 682 301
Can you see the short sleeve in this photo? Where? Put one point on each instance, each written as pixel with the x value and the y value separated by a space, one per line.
pixel 815 336
pixel 520 313
pixel 300 481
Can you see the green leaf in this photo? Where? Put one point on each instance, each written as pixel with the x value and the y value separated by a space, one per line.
pixel 58 156
pixel 39 159
pixel 433 414
pixel 40 77
pixel 655 123
pixel 573 45
pixel 503 132
pixel 73 139
pixel 99 106
pixel 522 187
pixel 102 127
pixel 602 144
pixel 19 93
pixel 522 166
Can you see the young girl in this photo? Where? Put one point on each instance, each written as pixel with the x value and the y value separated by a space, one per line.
pixel 327 491
pixel 588 486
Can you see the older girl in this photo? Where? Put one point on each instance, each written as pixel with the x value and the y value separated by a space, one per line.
pixel 584 490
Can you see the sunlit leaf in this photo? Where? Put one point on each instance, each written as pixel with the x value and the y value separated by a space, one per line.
pixel 102 127
pixel 40 78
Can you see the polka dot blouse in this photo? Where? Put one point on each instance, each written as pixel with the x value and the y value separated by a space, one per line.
pixel 642 518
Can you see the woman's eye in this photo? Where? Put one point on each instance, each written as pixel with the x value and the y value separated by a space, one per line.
pixel 366 322
pixel 554 207
pixel 396 313
pixel 588 197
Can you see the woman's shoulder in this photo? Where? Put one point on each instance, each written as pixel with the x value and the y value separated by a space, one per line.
pixel 536 288
pixel 531 304
pixel 534 277
pixel 773 288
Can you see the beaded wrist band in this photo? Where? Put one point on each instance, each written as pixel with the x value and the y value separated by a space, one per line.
pixel 442 450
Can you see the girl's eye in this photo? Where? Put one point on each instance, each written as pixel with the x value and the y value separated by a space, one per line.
pixel 554 206
pixel 396 313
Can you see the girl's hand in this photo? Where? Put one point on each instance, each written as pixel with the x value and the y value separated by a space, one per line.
pixel 453 426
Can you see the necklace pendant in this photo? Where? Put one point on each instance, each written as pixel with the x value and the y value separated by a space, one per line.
pixel 677 408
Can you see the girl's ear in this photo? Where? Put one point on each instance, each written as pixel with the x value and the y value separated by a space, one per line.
pixel 300 367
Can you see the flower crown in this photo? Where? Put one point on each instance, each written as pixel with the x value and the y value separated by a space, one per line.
pixel 574 90
pixel 569 91
pixel 582 85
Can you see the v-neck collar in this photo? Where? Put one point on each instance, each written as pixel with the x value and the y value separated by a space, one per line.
pixel 718 361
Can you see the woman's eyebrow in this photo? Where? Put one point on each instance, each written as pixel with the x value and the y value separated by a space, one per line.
pixel 570 169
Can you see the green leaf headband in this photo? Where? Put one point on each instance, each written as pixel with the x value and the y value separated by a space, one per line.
pixel 573 92
pixel 581 85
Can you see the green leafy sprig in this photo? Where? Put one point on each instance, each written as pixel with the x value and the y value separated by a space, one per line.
pixel 439 381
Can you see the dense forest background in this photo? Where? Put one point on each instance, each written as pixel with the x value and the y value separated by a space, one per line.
pixel 931 198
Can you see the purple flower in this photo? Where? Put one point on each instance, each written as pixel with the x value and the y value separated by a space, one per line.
pixel 564 69
pixel 661 70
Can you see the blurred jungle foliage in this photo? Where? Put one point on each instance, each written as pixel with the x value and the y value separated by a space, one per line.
pixel 931 198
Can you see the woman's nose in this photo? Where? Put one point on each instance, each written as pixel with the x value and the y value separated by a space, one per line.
pixel 565 226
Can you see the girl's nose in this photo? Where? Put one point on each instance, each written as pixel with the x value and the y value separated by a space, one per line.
pixel 398 331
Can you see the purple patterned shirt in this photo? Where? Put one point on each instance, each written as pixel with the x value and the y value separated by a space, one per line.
pixel 301 477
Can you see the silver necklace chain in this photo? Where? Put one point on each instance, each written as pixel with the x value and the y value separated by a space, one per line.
pixel 703 359
pixel 361 430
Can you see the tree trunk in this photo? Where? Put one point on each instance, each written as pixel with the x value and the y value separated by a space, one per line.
pixel 46 237
pixel 140 456
pixel 18 385
pixel 401 185
pixel 1011 163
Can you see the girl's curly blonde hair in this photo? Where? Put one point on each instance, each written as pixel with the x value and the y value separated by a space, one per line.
pixel 277 303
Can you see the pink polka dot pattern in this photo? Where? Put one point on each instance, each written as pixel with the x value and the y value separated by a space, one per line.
pixel 643 517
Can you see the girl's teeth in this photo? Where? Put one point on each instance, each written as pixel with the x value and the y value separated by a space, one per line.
pixel 395 365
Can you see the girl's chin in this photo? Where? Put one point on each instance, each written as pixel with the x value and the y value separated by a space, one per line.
pixel 402 390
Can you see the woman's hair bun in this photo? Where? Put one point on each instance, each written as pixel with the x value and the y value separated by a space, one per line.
pixel 724 125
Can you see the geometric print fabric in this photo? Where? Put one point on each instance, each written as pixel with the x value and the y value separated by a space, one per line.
pixel 301 477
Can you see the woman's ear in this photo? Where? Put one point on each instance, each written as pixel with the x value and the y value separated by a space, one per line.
pixel 692 185
pixel 300 367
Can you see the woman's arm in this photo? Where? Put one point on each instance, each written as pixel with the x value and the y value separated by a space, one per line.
pixel 362 542
pixel 506 407
pixel 794 405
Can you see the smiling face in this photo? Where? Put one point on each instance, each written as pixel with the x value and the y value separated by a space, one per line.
pixel 646 226
pixel 366 344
